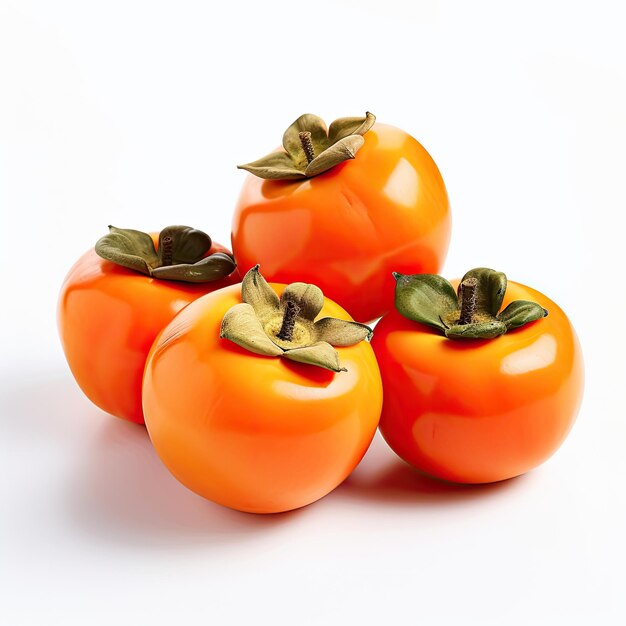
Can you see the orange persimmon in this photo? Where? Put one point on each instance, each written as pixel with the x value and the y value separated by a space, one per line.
pixel 247 403
pixel 109 314
pixel 472 394
pixel 369 201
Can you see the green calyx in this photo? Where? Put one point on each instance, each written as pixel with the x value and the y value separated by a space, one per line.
pixel 285 327
pixel 180 254
pixel 311 148
pixel 471 313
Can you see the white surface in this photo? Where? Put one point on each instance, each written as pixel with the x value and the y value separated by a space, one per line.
pixel 118 112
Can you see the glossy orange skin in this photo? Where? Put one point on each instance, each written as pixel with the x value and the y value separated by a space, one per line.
pixel 347 229
pixel 256 433
pixel 108 317
pixel 479 411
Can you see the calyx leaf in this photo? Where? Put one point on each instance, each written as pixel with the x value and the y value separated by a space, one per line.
pixel 473 313
pixel 341 332
pixel 321 354
pixel 311 149
pixel 521 312
pixel 345 126
pixel 242 326
pixel 180 255
pixel 266 324
pixel 211 268
pixel 274 166
pixel 128 248
pixel 309 299
pixel 343 150
pixel 478 330
pixel 183 243
pixel 256 291
pixel 425 298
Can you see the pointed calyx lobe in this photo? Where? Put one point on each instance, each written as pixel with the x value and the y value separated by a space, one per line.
pixel 471 313
pixel 180 254
pixel 271 326
pixel 311 149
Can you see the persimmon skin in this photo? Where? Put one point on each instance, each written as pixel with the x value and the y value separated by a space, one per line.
pixel 478 411
pixel 255 433
pixel 108 317
pixel 347 229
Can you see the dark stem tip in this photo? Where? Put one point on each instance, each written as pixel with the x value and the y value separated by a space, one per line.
pixel 289 321
pixel 467 293
pixel 167 253
pixel 307 145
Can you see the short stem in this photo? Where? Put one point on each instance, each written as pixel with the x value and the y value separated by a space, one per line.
pixel 307 145
pixel 289 321
pixel 468 300
pixel 167 250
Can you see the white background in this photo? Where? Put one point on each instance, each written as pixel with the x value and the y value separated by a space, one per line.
pixel 135 113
